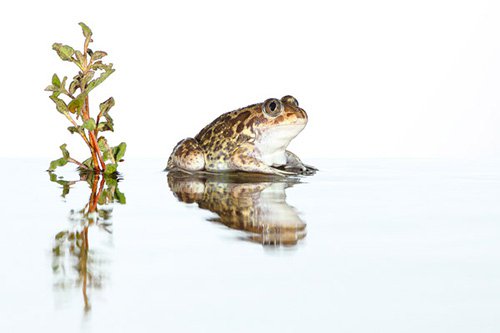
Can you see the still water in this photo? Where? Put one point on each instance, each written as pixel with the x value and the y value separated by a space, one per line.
pixel 362 246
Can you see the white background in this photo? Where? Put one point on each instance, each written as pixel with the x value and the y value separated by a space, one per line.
pixel 377 78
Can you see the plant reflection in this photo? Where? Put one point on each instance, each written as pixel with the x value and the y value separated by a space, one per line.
pixel 255 204
pixel 74 262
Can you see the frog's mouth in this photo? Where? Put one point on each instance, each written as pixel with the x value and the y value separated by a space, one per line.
pixel 280 135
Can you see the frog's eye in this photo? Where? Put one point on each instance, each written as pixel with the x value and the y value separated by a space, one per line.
pixel 272 107
pixel 290 100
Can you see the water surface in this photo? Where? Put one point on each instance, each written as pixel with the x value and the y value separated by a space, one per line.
pixel 362 246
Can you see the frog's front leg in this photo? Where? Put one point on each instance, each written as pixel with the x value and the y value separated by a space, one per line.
pixel 245 158
pixel 293 162
pixel 187 156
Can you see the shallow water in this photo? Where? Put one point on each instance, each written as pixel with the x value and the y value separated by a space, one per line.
pixel 362 246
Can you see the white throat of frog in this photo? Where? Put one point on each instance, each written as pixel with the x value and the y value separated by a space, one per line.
pixel 272 143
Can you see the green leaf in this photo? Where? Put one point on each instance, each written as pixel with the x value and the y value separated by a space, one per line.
pixel 56 85
pixel 63 83
pixel 102 199
pixel 60 104
pixel 65 52
pixel 97 55
pixel 104 109
pixel 87 77
pixel 110 168
pixel 66 185
pixel 73 86
pixel 73 129
pixel 120 197
pixel 58 163
pixel 106 105
pixel 99 65
pixel 119 151
pixel 104 126
pixel 109 121
pixel 76 104
pixel 57 251
pixel 52 176
pixel 104 75
pixel 89 124
pixel 65 191
pixel 55 81
pixel 103 144
pixel 87 33
pixel 64 151
pixel 80 58
pixel 107 153
pixel 89 163
pixel 61 234
pixel 111 181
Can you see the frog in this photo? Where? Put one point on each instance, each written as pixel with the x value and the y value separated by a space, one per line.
pixel 248 202
pixel 251 139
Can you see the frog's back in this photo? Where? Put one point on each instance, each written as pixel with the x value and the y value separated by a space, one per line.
pixel 221 137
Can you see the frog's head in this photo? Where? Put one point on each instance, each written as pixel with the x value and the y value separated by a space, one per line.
pixel 277 123
pixel 279 119
pixel 284 112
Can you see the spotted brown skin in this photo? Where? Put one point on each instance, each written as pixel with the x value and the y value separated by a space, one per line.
pixel 256 205
pixel 250 139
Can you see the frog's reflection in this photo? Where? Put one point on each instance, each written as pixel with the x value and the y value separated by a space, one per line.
pixel 74 262
pixel 251 203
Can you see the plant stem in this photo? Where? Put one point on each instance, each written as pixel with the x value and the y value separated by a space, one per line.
pixel 82 134
pixel 83 265
pixel 101 188
pixel 93 142
pixel 94 198
pixel 81 165
pixel 94 146
pixel 93 153
pixel 96 152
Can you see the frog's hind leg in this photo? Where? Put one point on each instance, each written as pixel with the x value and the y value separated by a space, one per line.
pixel 186 156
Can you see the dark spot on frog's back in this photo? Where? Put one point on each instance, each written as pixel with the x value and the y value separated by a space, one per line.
pixel 217 146
pixel 218 128
pixel 228 132
pixel 209 129
pixel 240 120
pixel 240 127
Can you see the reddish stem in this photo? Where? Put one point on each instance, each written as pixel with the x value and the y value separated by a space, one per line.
pixel 99 164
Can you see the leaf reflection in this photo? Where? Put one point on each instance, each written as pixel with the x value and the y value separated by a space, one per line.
pixel 255 204
pixel 74 262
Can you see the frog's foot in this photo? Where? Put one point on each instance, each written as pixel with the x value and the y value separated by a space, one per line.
pixel 186 156
pixel 243 159
pixel 293 162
